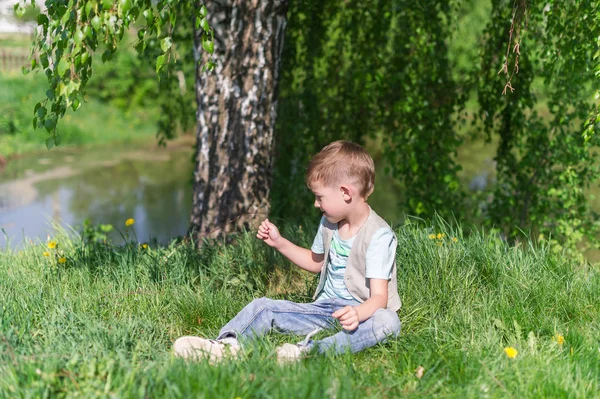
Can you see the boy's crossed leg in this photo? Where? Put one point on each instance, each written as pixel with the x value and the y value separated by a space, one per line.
pixel 263 315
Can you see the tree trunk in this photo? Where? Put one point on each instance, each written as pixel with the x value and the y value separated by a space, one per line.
pixel 237 108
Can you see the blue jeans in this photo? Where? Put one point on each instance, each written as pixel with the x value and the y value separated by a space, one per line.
pixel 263 315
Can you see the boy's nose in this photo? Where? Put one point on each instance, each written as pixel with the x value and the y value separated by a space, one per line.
pixel 317 204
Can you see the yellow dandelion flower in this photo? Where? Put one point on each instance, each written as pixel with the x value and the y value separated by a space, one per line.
pixel 440 236
pixel 454 239
pixel 52 244
pixel 46 253
pixel 144 246
pixel 511 352
pixel 432 236
pixel 129 222
pixel 559 338
pixel 62 259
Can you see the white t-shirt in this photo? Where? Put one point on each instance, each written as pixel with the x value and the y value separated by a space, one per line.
pixel 379 259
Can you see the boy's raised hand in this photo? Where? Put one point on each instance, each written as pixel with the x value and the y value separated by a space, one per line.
pixel 269 233
pixel 348 317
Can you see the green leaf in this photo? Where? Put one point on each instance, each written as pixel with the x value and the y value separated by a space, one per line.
pixel 62 67
pixel 76 103
pixel 57 139
pixel 208 45
pixel 84 57
pixel 49 143
pixel 61 89
pixel 44 60
pixel 209 66
pixel 79 36
pixel 96 22
pixel 160 62
pixel 124 6
pixel 165 44
pixel 19 10
pixel 88 8
pixel 65 18
pixel 50 124
pixel 41 111
pixel 107 55
pixel 72 87
pixel 205 26
pixel 42 19
pixel 140 47
pixel 203 11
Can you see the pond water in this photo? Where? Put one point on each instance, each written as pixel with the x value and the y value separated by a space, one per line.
pixel 107 186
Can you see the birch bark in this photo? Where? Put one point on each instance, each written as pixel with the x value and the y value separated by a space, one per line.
pixel 237 108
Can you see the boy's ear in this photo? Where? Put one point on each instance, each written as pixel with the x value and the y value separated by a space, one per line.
pixel 346 192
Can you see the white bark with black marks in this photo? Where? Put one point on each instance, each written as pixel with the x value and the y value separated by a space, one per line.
pixel 237 108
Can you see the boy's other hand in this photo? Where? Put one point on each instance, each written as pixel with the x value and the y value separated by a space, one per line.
pixel 269 233
pixel 348 317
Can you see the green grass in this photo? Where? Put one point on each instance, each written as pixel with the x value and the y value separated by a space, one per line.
pixel 103 323
pixel 18 40
pixel 95 123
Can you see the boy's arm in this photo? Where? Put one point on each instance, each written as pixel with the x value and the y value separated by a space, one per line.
pixel 301 257
pixel 350 316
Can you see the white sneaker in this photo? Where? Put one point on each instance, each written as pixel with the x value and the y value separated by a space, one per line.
pixel 197 348
pixel 288 353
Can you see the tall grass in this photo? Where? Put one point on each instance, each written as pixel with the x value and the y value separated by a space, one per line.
pixel 102 323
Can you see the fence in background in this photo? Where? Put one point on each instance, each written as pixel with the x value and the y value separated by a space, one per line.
pixel 13 58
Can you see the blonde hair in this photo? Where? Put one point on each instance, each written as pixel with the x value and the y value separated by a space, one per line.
pixel 340 162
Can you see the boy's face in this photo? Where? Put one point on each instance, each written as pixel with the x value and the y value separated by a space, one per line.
pixel 333 201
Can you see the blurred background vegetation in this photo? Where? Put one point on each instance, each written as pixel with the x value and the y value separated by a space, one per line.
pixel 417 83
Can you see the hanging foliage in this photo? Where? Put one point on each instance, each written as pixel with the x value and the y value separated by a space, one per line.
pixel 371 70
pixel 70 33
pixel 543 106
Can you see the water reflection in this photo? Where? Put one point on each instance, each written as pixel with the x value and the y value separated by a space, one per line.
pixel 107 187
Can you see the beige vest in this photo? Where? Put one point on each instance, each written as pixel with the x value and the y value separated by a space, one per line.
pixel 354 277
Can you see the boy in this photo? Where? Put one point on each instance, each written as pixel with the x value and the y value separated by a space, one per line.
pixel 354 250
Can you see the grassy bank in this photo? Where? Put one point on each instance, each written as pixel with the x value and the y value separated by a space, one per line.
pixel 95 123
pixel 102 323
